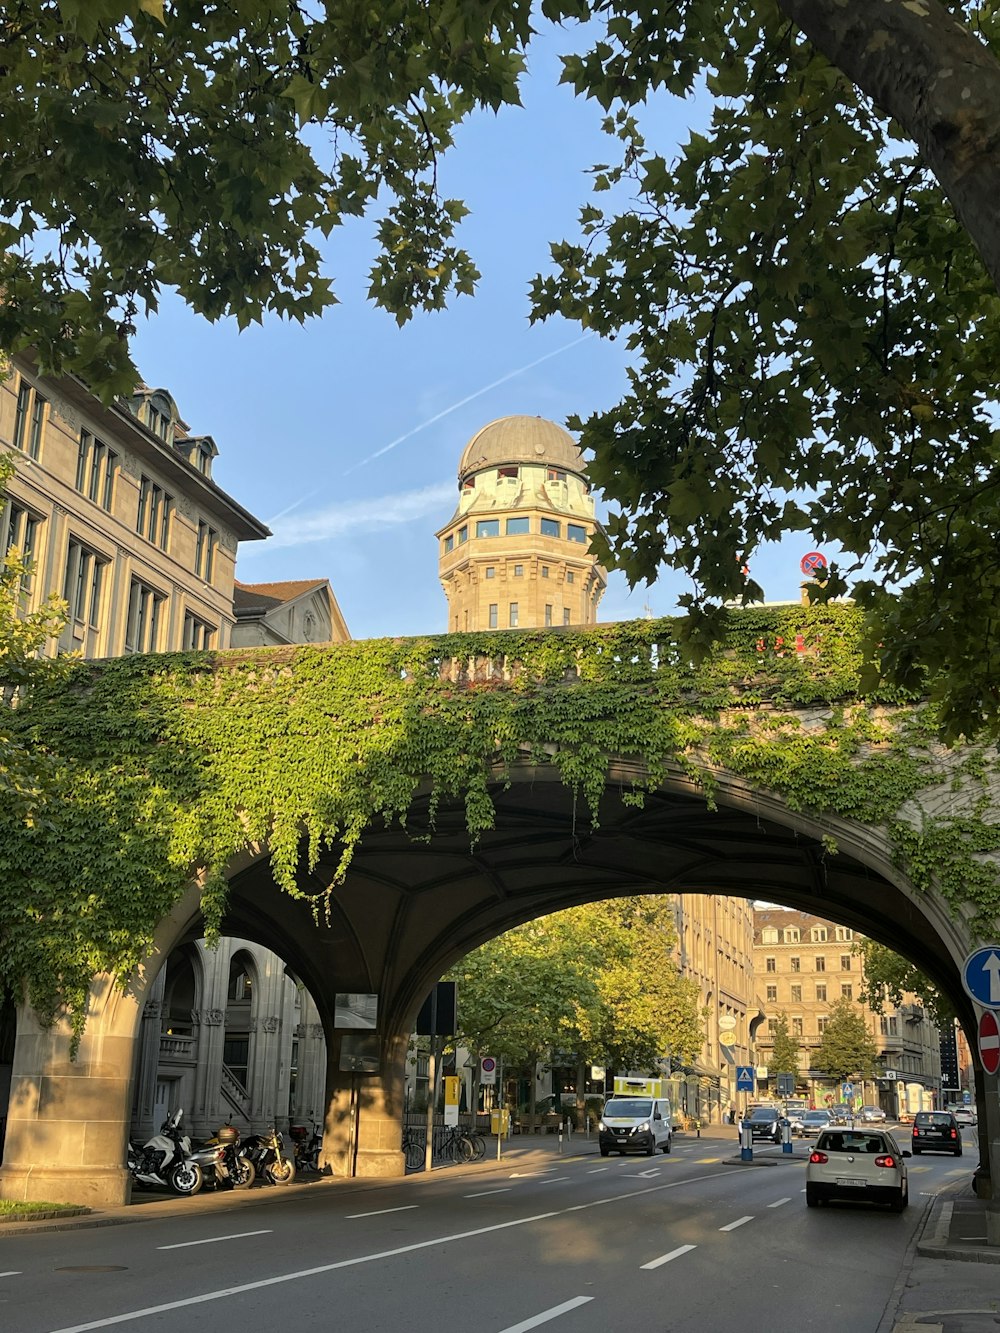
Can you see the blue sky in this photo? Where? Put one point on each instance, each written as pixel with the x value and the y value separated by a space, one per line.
pixel 344 435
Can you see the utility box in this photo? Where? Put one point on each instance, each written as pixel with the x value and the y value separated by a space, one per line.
pixel 500 1121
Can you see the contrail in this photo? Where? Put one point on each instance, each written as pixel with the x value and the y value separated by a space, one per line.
pixel 470 398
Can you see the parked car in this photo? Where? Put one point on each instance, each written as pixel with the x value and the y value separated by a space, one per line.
pixel 765 1123
pixel 872 1115
pixel 864 1165
pixel 964 1115
pixel 812 1122
pixel 936 1131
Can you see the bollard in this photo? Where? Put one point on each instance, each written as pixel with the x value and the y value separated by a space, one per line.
pixel 746 1142
pixel 786 1136
pixel 697 1129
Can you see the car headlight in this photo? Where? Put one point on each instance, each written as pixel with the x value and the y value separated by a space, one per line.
pixel 601 1124
pixel 643 1128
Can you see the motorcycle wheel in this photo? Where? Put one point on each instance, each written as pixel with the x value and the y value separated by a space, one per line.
pixel 283 1172
pixel 244 1175
pixel 186 1178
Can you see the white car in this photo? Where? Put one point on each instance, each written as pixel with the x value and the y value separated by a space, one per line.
pixel 964 1115
pixel 864 1165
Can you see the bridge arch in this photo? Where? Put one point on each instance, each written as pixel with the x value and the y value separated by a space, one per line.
pixel 416 899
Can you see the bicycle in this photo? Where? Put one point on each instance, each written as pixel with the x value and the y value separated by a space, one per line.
pixel 458 1145
pixel 413 1150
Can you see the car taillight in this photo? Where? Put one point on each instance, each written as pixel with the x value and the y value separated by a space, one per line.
pixel 818 1157
pixel 886 1159
pixel 954 1133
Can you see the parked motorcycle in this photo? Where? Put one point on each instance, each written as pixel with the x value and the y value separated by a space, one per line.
pixel 166 1159
pixel 270 1161
pixel 223 1159
pixel 308 1143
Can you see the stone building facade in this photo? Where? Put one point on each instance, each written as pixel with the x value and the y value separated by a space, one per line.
pixel 804 964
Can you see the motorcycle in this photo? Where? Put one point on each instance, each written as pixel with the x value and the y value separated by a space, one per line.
pixel 269 1161
pixel 224 1160
pixel 307 1145
pixel 166 1159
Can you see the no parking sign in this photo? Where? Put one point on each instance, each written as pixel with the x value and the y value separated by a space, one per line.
pixel 487 1069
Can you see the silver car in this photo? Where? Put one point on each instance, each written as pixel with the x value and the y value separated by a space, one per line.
pixel 864 1165
pixel 812 1122
pixel 872 1115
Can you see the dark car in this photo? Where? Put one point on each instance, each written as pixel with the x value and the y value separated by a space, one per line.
pixel 765 1123
pixel 936 1131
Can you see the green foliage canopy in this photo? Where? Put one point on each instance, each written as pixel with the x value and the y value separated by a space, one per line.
pixel 807 286
pixel 784 1058
pixel 888 978
pixel 847 1049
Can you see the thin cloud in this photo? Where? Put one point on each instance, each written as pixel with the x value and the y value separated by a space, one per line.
pixel 344 518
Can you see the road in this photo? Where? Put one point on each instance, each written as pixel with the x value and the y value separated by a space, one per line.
pixel 581 1243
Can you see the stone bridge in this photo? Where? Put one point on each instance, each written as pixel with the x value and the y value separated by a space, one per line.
pixel 373 811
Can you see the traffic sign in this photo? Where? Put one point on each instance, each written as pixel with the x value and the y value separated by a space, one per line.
pixel 813 563
pixel 488 1070
pixel 744 1078
pixel 981 976
pixel 847 1090
pixel 989 1041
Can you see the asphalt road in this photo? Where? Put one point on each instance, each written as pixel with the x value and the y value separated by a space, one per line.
pixel 592 1245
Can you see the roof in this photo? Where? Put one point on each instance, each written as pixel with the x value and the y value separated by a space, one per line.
pixel 520 439
pixel 249 597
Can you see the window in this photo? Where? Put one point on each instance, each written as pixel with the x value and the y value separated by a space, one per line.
pixel 570 576
pixel 772 993
pixel 794 965
pixel 821 1025
pixel 845 962
pixel 449 543
pixel 796 995
pixel 820 964
pixel 772 1026
pixel 551 528
pixel 792 935
pixel 565 615
pixel 494 609
pixel 469 484
pixel 96 466
pixel 155 508
pixel 796 1027
pixel 556 474
pixel 506 474
pixel 488 527
pixel 517 526
pixel 157 421
pixel 545 571
pixel 548 613
pixel 463 535
pixel 821 991
pixel 20 529
pixel 576 532
pixel 770 965
pixel 847 991
pixel 512 615
pixel 204 555
pixel 519 571
pixel 843 933
pixel 29 420
pixel 197 634
pixel 142 628
pixel 769 935
pixel 818 934
pixel 491 571
pixel 84 584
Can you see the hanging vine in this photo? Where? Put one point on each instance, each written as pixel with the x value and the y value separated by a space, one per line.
pixel 162 766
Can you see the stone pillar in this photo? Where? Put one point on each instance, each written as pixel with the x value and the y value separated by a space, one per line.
pixel 68 1120
pixel 363 1130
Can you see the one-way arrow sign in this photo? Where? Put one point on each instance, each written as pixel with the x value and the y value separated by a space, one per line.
pixel 981 976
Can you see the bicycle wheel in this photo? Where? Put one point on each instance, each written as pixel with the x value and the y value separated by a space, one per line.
pixel 466 1148
pixel 479 1145
pixel 414 1153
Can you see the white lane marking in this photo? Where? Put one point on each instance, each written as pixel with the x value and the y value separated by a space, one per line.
pixel 665 1258
pixel 738 1223
pixel 295 1277
pixel 183 1244
pixel 552 1180
pixel 504 1189
pixel 636 1175
pixel 383 1254
pixel 595 1169
pixel 404 1208
pixel 14 1272
pixel 546 1315
pixel 778 1202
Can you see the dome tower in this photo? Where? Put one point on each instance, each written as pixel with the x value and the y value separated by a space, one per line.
pixel 516 551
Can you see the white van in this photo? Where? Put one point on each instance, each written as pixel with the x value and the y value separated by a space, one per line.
pixel 635 1124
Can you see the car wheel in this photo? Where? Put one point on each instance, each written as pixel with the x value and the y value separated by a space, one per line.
pixel 899 1204
pixel 958 1152
pixel 650 1150
pixel 812 1198
pixel 605 1151
pixel 666 1146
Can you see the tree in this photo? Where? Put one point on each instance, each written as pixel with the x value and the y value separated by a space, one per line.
pixel 847 1049
pixel 598 980
pixel 809 290
pixel 785 1054
pixel 889 978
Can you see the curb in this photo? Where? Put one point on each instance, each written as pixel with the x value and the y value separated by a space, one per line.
pixel 934 1241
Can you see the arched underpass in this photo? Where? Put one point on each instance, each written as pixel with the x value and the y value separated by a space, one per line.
pixel 414 902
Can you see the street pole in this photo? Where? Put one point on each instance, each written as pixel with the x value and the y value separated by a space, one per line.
pixel 432 1077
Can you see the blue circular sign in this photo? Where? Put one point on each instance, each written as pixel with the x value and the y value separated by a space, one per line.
pixel 981 976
